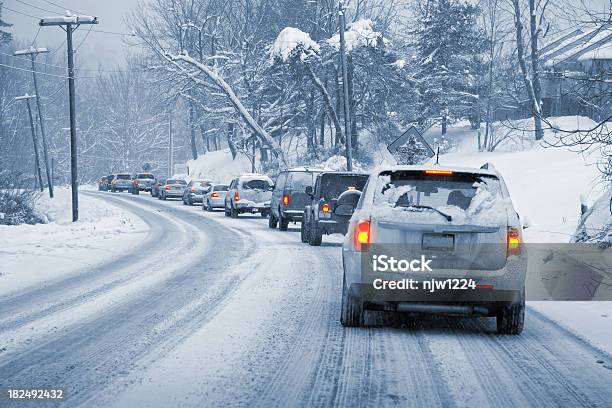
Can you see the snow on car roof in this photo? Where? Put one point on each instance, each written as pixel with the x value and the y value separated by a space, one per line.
pixel 491 171
pixel 254 175
pixel 312 169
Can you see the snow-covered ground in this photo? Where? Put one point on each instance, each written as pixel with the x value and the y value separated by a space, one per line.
pixel 545 183
pixel 32 254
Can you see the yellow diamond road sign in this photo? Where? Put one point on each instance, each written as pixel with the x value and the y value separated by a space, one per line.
pixel 411 148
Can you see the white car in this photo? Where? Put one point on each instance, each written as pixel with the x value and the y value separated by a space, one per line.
pixel 249 193
pixel 215 197
pixel 415 228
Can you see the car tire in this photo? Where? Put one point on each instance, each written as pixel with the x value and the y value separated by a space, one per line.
pixel 264 214
pixel 189 202
pixel 226 211
pixel 233 212
pixel 164 197
pixel 272 221
pixel 351 312
pixel 304 231
pixel 315 236
pixel 283 223
pixel 511 318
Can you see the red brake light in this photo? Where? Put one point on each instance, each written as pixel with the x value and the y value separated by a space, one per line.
pixel 214 194
pixel 286 199
pixel 514 241
pixel 439 172
pixel 325 208
pixel 236 196
pixel 362 234
pixel 167 187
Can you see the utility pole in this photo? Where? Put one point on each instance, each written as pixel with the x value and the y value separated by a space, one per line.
pixel 170 148
pixel 347 117
pixel 33 52
pixel 27 98
pixel 71 22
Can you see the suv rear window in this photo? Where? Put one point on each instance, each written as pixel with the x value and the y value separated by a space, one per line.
pixel 332 185
pixel 124 177
pixel 220 187
pixel 183 182
pixel 301 179
pixel 145 176
pixel 256 185
pixel 411 189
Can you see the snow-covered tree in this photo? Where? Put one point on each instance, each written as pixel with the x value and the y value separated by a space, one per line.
pixel 449 47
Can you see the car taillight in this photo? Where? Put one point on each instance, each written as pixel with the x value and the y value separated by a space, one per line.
pixel 362 235
pixel 193 189
pixel 167 187
pixel 286 199
pixel 514 241
pixel 236 196
pixel 325 208
pixel 214 194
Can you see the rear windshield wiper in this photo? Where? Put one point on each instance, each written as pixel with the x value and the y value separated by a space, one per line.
pixel 426 207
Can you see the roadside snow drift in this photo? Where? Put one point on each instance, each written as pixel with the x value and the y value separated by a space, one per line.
pixel 32 254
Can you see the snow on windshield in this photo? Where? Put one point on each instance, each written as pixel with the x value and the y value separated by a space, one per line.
pixel 466 199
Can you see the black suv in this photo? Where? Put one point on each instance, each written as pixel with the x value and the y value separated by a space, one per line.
pixel 323 215
pixel 289 196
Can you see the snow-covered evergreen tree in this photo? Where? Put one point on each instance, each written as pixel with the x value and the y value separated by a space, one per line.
pixel 448 45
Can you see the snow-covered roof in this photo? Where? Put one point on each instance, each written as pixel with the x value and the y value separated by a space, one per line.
pixel 603 52
pixel 359 34
pixel 291 40
pixel 578 47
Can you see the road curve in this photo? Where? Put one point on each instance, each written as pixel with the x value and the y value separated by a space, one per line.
pixel 249 317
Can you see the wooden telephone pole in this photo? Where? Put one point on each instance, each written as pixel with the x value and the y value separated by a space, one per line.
pixel 27 98
pixel 69 23
pixel 33 52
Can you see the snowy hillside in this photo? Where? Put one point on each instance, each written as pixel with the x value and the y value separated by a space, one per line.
pixel 63 247
pixel 546 184
pixel 218 166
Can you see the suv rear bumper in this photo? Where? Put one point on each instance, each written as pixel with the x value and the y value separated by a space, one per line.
pixel 292 215
pixel 332 227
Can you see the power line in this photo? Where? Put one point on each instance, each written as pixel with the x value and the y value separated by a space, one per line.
pixel 19 12
pixel 36 36
pixel 62 7
pixel 33 6
pixel 76 69
pixel 44 73
pixel 84 38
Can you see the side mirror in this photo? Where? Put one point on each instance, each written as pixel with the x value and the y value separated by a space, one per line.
pixel 345 210
pixel 309 190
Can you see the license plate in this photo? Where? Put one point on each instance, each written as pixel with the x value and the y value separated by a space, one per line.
pixel 438 242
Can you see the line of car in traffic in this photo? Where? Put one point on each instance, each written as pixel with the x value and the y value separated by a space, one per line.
pixel 460 218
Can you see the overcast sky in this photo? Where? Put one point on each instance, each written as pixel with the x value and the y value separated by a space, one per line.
pixel 107 50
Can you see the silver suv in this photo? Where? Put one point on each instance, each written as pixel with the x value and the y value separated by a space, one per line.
pixel 249 193
pixel 455 230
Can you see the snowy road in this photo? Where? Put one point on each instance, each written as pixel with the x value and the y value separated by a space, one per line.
pixel 213 311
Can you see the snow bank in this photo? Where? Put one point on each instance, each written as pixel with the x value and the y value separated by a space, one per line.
pixel 545 184
pixel 291 41
pixel 359 34
pixel 218 166
pixel 62 246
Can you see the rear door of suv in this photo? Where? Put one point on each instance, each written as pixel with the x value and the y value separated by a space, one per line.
pixel 443 214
